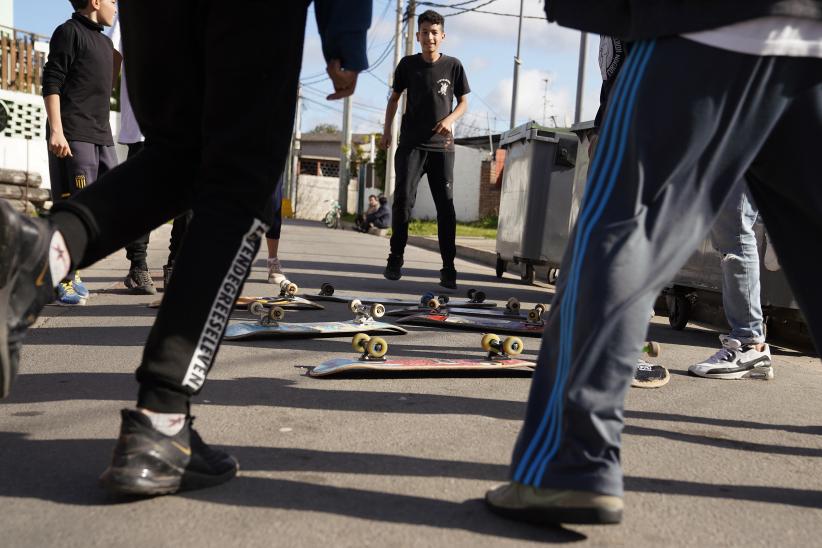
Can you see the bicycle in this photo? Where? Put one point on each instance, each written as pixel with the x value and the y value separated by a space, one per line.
pixel 332 218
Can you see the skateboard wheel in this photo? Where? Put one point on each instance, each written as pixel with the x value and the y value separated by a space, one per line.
pixel 443 298
pixel 534 315
pixel 276 313
pixel 377 347
pixel 652 348
pixel 490 342
pixel 355 305
pixel 256 307
pixel 377 310
pixel 434 303
pixel 471 293
pixel 479 296
pixel 512 304
pixel 360 341
pixel 289 288
pixel 540 308
pixel 327 289
pixel 426 297
pixel 512 346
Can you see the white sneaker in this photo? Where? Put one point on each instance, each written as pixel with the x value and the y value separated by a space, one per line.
pixel 275 271
pixel 736 361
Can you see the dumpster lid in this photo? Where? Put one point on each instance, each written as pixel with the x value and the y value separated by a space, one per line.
pixel 582 126
pixel 529 131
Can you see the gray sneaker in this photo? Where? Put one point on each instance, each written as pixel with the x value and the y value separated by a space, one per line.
pixel 139 281
pixel 551 506
pixel 736 360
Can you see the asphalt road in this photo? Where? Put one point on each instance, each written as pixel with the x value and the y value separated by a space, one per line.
pixel 388 461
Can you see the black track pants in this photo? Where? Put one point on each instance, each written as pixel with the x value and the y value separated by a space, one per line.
pixel 685 123
pixel 218 123
pixel 411 164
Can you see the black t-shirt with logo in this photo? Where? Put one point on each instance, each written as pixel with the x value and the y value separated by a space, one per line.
pixel 432 88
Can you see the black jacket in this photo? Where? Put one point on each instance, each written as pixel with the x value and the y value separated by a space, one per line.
pixel 381 218
pixel 644 19
pixel 80 70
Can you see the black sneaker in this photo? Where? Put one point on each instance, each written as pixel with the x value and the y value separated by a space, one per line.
pixel 139 281
pixel 393 270
pixel 147 462
pixel 448 278
pixel 25 283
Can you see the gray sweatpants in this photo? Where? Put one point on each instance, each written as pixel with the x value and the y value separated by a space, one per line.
pixel 685 122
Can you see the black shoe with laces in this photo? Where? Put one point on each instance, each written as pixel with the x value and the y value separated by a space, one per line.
pixel 147 462
pixel 448 278
pixel 393 269
pixel 139 281
pixel 25 283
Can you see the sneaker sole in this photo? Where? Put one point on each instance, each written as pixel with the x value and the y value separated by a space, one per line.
pixel 130 482
pixel 759 373
pixel 554 516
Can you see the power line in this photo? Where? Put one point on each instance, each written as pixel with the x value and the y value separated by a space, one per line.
pixel 477 10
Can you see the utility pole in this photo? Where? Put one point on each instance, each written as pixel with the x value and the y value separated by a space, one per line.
pixel 409 42
pixel 345 154
pixel 295 150
pixel 395 130
pixel 517 63
pixel 583 53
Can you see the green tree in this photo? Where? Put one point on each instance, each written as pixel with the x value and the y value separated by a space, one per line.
pixel 325 128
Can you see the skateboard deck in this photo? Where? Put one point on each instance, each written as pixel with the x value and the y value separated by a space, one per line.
pixel 475 323
pixel 370 299
pixel 342 365
pixel 287 302
pixel 248 330
pixel 464 311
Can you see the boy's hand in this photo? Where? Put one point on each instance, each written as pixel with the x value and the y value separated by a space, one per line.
pixel 345 81
pixel 58 145
pixel 385 142
pixel 445 127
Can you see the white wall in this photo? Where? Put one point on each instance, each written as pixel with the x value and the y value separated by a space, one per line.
pixel 7 13
pixel 315 195
pixel 467 164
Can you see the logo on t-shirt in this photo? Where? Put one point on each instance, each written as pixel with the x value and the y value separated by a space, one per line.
pixel 443 84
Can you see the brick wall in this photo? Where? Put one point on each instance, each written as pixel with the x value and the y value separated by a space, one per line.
pixel 491 184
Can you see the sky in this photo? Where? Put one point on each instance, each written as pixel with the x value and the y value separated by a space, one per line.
pixel 485 43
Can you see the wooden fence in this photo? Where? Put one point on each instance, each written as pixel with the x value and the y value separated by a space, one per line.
pixel 21 66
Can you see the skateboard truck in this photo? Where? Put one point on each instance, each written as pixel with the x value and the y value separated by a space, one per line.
pixel 372 348
pixel 288 288
pixel 366 313
pixel 501 349
pixel 535 315
pixel 476 296
pixel 266 316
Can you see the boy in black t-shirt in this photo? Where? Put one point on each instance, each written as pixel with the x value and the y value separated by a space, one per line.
pixel 432 80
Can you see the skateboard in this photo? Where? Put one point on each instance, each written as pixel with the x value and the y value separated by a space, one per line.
pixel 511 311
pixel 476 299
pixel 373 349
pixel 650 375
pixel 529 327
pixel 287 299
pixel 269 324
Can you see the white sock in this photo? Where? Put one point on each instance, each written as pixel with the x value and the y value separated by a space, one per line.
pixel 166 423
pixel 59 258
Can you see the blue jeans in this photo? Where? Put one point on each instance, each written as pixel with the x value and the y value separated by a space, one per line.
pixel 733 236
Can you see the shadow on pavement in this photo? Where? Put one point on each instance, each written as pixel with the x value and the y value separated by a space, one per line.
pixel 66 471
pixel 727 423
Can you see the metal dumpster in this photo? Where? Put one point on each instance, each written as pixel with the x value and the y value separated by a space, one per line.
pixel 539 199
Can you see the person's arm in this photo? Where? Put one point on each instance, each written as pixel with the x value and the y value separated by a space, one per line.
pixel 390 112
pixel 118 64
pixel 446 125
pixel 61 57
pixel 343 26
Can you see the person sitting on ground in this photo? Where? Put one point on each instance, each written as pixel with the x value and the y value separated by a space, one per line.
pixel 373 205
pixel 381 218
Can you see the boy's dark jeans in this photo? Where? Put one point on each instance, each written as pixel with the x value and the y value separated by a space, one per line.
pixel 411 164
pixel 218 125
